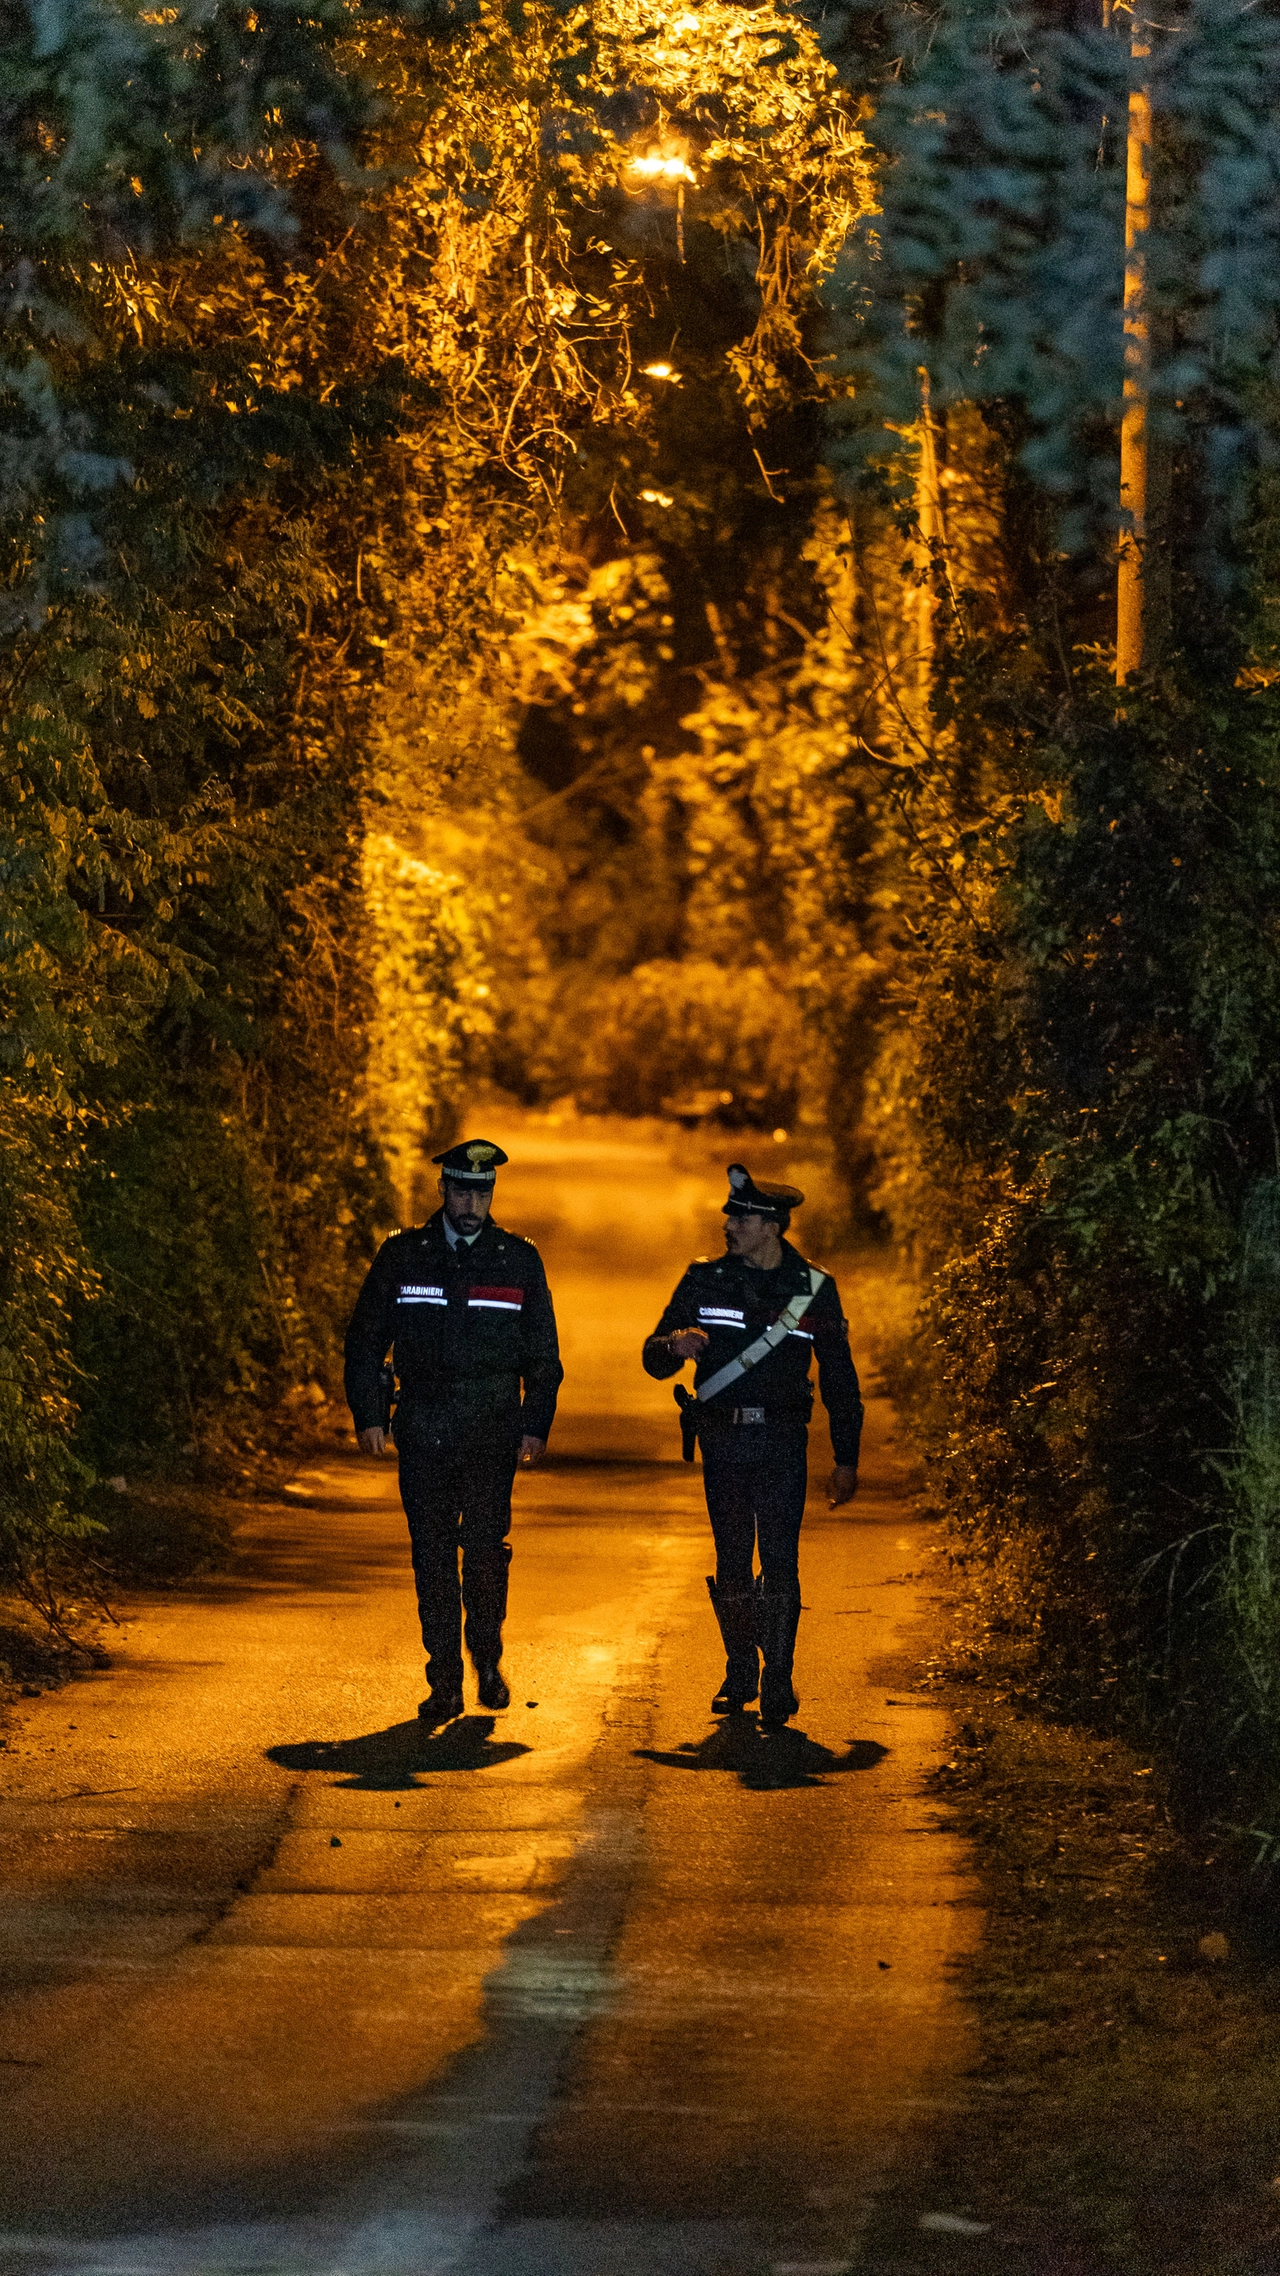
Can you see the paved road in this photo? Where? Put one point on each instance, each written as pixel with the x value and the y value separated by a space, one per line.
pixel 594 1986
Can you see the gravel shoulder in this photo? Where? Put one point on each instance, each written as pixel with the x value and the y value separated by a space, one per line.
pixel 1123 2116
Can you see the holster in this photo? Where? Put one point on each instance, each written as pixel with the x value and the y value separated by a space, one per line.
pixel 386 1394
pixel 688 1406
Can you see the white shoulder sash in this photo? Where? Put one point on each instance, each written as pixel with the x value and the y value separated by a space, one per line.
pixel 764 1344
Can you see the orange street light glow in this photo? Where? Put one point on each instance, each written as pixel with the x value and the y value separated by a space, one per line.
pixel 658 168
pixel 656 498
pixel 661 371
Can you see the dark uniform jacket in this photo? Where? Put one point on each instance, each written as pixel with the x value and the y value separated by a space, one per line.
pixel 468 1326
pixel 734 1302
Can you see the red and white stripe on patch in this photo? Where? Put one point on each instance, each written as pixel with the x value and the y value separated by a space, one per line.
pixel 495 1299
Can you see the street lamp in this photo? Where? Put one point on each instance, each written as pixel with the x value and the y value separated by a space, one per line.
pixel 666 166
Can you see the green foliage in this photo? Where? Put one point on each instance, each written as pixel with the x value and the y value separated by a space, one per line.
pixel 191 1315
pixel 178 961
pixel 126 134
pixel 430 976
pixel 1001 234
pixel 615 379
pixel 676 1030
pixel 1251 1568
pixel 1077 1081
pixel 45 1273
pixel 1081 1117
pixel 313 327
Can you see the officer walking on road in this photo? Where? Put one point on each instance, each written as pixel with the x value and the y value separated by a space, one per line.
pixel 467 1309
pixel 750 1320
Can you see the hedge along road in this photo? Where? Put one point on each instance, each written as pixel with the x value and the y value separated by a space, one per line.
pixel 592 1986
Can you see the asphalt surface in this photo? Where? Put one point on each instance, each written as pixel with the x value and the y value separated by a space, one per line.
pixel 597 1985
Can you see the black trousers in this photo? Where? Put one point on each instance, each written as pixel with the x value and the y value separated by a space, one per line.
pixel 755 1476
pixel 457 1497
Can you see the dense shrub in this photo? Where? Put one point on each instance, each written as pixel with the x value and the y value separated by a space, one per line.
pixel 681 1029
pixel 1084 1115
pixel 45 1275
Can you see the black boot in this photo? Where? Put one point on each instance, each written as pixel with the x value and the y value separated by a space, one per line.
pixel 777 1619
pixel 735 1614
pixel 493 1687
pixel 443 1703
pixel 484 1597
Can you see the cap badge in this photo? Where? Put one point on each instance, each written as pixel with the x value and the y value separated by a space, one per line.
pixel 478 1154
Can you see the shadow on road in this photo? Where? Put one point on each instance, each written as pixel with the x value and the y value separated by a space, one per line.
pixel 766 1761
pixel 382 1761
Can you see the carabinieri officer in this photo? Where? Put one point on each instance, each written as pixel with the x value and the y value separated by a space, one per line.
pixel 468 1311
pixel 751 1319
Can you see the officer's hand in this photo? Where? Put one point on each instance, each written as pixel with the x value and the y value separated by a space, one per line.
pixel 843 1486
pixel 687 1343
pixel 373 1441
pixel 531 1451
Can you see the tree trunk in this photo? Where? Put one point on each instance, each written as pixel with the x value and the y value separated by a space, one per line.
pixel 929 522
pixel 1142 584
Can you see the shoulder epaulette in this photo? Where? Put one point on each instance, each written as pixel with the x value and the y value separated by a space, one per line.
pixel 518 1240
